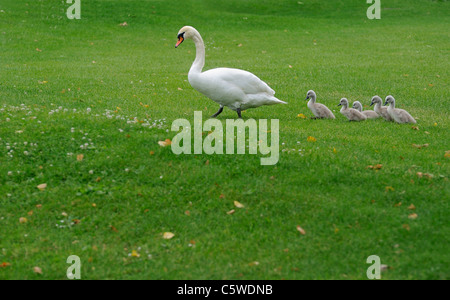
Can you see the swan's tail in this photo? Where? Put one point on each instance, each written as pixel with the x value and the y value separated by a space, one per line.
pixel 274 100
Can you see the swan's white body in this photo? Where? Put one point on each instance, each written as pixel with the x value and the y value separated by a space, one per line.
pixel 236 89
pixel 400 116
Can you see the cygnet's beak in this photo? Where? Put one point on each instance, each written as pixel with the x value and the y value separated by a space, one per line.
pixel 340 104
pixel 307 98
pixel 371 103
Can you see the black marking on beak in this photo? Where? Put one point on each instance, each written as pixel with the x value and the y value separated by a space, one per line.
pixel 340 104
pixel 307 98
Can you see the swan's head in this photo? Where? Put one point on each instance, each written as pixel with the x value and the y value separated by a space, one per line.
pixel 375 100
pixel 344 102
pixel 389 100
pixel 357 105
pixel 187 32
pixel 310 94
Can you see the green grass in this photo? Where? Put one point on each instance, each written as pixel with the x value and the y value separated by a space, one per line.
pixel 346 209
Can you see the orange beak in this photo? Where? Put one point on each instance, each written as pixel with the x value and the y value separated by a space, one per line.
pixel 180 40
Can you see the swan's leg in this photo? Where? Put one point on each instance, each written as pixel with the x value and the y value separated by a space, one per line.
pixel 239 113
pixel 218 113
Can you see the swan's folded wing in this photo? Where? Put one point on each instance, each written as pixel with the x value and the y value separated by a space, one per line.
pixel 246 81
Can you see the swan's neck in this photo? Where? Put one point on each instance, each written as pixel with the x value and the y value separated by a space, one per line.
pixel 377 107
pixel 392 105
pixel 199 62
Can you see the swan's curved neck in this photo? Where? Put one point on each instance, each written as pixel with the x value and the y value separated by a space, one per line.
pixel 392 104
pixel 199 62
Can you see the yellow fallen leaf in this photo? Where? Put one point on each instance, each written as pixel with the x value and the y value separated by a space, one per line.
pixel 302 116
pixel 134 253
pixel 389 189
pixel 238 205
pixel 334 151
pixel 311 139
pixel 168 235
pixel 23 220
pixel 80 157
pixel 301 230
pixel 42 187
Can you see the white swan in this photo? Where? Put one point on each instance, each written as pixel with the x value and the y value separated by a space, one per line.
pixel 319 110
pixel 399 115
pixel 236 89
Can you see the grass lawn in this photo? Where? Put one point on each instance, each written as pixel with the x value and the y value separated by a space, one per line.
pixel 83 104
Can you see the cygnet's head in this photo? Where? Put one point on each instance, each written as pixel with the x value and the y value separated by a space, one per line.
pixel 375 100
pixel 357 105
pixel 344 102
pixel 187 32
pixel 310 94
pixel 389 100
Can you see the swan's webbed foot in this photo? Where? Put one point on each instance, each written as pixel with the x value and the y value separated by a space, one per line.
pixel 218 112
pixel 239 113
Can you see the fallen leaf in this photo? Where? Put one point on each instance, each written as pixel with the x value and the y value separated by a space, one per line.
pixel 113 228
pixel 30 213
pixel 420 146
pixel 124 24
pixel 222 196
pixel 76 221
pixel 231 212
pixel 412 207
pixel 334 151
pixel 42 187
pixel 37 270
pixel 406 226
pixel 302 116
pixel 38 50
pixel 152 152
pixel 39 206
pixel 301 230
pixel 413 216
pixel 134 253
pixel 168 235
pixel 165 143
pixel 23 220
pixel 398 204
pixel 376 167
pixel 187 213
pixel 254 263
pixel 447 154
pixel 80 157
pixel 415 128
pixel 238 204
pixel 4 265
pixel 311 139
pixel 389 189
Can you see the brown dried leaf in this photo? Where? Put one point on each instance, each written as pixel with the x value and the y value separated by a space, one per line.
pixel 37 270
pixel 301 230
pixel 413 216
pixel 231 212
